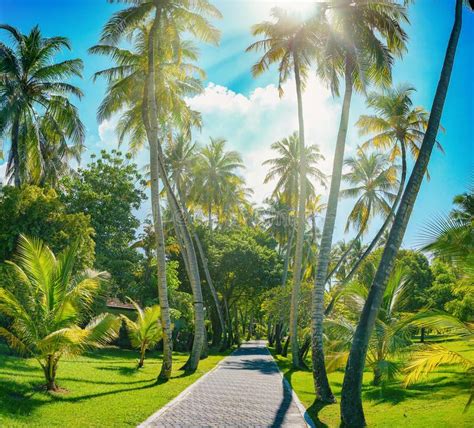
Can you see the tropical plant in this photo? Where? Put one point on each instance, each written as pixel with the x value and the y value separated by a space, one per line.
pixel 373 179
pixel 397 127
pixel 394 327
pixel 359 40
pixel 53 303
pixel 429 357
pixel 162 107
pixel 289 42
pixel 35 110
pixel 285 169
pixel 216 179
pixel 352 413
pixel 146 331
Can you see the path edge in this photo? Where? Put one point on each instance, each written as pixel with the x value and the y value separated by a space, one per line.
pixel 146 423
pixel 304 412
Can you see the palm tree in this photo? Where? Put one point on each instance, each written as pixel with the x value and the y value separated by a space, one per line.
pixel 35 110
pixel 162 105
pixel 394 329
pixel 182 157
pixel 215 177
pixel 358 45
pixel 352 413
pixel 52 305
pixel 285 169
pixel 373 178
pixel 146 331
pixel 288 41
pixel 398 127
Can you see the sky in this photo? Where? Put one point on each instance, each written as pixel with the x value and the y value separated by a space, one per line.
pixel 250 115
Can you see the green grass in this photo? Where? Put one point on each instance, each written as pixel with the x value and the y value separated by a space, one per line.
pixel 103 390
pixel 437 402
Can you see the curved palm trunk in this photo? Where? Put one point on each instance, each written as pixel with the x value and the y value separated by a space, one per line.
pixel 151 126
pixel 352 413
pixel 205 267
pixel 295 293
pixel 321 383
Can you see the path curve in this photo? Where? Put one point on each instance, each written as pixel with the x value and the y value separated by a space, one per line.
pixel 246 389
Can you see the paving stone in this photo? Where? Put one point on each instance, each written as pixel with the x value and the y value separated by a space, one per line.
pixel 245 390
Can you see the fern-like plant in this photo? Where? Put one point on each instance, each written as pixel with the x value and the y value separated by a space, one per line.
pixel 146 331
pixel 51 304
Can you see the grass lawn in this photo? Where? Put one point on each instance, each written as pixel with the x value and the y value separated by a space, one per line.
pixel 104 389
pixel 436 402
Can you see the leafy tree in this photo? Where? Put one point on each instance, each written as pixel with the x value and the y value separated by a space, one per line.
pixel 35 110
pixel 109 190
pixel 39 212
pixel 145 331
pixel 48 314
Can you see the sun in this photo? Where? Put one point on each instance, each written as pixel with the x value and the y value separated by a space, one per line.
pixel 302 7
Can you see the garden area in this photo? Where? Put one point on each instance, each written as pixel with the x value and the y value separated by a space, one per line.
pixel 281 236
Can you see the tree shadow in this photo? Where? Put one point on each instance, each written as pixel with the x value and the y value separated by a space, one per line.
pixel 123 370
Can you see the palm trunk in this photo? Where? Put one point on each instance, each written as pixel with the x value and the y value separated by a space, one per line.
pixel 49 370
pixel 151 126
pixel 142 355
pixel 387 221
pixel 295 292
pixel 286 264
pixel 14 158
pixel 321 383
pixel 352 413
pixel 155 149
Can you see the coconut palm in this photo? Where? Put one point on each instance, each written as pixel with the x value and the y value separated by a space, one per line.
pixel 352 413
pixel 126 96
pixel 52 303
pixel 289 42
pixel 182 157
pixel 35 109
pixel 285 169
pixel 169 20
pixel 398 128
pixel 146 331
pixel 358 41
pixel 216 176
pixel 373 178
pixel 394 328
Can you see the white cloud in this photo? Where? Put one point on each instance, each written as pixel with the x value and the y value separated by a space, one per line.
pixel 252 123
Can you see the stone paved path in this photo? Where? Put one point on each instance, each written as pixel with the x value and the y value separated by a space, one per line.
pixel 245 390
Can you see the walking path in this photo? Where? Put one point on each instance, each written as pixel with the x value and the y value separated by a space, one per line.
pixel 245 390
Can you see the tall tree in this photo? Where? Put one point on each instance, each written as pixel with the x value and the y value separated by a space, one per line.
pixel 358 45
pixel 160 106
pixel 352 413
pixel 288 41
pixel 35 109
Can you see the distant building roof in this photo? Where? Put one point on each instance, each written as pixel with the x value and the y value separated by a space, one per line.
pixel 117 303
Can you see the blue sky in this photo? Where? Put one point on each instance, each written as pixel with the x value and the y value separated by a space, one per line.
pixel 247 111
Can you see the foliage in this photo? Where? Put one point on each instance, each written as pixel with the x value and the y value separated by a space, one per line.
pixel 145 331
pixel 39 212
pixel 110 190
pixel 47 317
pixel 35 110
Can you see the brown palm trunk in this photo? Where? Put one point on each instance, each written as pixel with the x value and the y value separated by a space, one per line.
pixel 295 292
pixel 352 413
pixel 321 383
